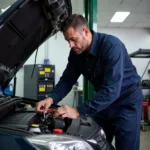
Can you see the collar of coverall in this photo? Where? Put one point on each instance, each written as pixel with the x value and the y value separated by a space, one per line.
pixel 93 48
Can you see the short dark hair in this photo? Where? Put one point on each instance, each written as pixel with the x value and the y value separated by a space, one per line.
pixel 74 20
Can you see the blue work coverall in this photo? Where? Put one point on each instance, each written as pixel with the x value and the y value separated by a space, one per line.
pixel 117 103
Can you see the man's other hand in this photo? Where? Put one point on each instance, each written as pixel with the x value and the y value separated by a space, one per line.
pixel 43 105
pixel 67 112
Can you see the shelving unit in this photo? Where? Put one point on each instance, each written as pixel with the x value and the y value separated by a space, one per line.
pixel 142 53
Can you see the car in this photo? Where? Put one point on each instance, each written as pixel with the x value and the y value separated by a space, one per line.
pixel 24 26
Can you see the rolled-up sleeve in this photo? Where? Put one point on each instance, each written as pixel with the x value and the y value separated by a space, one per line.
pixel 67 80
pixel 111 86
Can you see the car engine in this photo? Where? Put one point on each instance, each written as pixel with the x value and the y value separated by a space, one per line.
pixel 18 113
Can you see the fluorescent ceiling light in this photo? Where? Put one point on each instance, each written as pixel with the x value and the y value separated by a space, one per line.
pixel 120 16
pixel 2 10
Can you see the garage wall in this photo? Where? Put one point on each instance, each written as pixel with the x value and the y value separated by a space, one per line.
pixel 58 51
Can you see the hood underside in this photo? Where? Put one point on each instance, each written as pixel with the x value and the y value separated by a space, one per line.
pixel 23 28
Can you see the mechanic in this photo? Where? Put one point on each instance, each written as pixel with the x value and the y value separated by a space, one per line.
pixel 104 61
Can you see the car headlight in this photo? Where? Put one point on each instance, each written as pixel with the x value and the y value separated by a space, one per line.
pixel 59 142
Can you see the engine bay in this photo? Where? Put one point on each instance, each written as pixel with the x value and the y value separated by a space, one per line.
pixel 24 117
pixel 19 113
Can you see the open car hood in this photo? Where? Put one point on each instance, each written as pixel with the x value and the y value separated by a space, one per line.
pixel 23 28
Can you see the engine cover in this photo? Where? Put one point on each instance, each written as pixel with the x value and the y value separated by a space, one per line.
pixel 20 120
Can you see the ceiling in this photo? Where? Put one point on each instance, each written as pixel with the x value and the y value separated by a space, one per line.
pixel 139 17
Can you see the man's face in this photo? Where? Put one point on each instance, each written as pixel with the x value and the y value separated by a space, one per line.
pixel 77 39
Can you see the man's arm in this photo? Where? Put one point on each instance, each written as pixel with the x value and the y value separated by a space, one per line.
pixel 67 80
pixel 111 87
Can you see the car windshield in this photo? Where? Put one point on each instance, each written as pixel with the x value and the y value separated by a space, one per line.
pixel 5 4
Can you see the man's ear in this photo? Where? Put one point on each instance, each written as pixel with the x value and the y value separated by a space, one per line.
pixel 86 31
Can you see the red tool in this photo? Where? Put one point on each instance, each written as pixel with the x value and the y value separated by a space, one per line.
pixel 51 111
pixel 57 131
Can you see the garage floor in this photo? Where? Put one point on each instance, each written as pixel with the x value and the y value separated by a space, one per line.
pixel 145 139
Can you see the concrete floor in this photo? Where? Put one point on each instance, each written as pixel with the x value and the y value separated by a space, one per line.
pixel 145 139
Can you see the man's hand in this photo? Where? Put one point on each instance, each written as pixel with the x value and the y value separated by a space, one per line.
pixel 43 105
pixel 66 111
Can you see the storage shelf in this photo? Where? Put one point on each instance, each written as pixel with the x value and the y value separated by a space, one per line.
pixel 141 53
pixel 146 88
